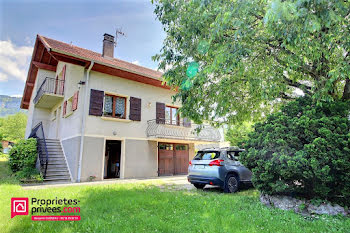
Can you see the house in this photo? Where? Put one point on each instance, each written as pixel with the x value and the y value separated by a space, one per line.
pixel 97 117
pixel 6 146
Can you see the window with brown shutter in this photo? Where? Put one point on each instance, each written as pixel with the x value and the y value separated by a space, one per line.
pixel 75 101
pixel 160 113
pixel 135 109
pixel 64 108
pixel 96 102
pixel 114 106
pixel 172 116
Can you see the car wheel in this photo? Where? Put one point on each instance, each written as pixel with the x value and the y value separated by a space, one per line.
pixel 199 186
pixel 231 184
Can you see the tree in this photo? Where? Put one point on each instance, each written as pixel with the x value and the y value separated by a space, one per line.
pixel 303 150
pixel 238 60
pixel 238 133
pixel 13 127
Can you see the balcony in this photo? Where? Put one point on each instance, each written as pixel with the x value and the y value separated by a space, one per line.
pixel 49 93
pixel 161 128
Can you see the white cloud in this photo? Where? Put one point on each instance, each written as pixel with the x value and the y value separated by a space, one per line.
pixel 14 61
pixel 3 77
pixel 136 62
pixel 18 95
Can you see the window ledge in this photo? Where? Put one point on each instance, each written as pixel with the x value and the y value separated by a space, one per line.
pixel 68 114
pixel 115 119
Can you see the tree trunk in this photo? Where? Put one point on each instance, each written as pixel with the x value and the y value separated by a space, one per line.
pixel 346 93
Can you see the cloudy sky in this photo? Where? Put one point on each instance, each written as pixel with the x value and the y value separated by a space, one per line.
pixel 81 22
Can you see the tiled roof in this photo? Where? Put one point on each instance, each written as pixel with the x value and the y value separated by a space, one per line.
pixel 75 51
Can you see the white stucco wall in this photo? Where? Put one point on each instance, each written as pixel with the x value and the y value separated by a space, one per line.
pixel 35 115
pixel 148 94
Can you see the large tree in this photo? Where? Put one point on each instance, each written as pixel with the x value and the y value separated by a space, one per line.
pixel 236 60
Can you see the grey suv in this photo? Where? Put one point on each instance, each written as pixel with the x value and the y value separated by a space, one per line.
pixel 219 167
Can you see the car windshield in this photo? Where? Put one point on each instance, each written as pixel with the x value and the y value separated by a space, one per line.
pixel 207 155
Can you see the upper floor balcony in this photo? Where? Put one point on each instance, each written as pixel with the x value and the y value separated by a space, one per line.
pixel 162 128
pixel 49 93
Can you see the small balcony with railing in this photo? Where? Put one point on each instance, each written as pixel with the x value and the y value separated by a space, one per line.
pixel 182 130
pixel 49 93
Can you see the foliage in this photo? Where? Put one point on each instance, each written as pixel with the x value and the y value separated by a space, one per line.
pixel 304 150
pixel 22 158
pixel 238 133
pixel 239 60
pixel 145 207
pixel 13 127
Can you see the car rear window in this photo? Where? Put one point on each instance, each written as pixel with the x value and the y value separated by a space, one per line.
pixel 207 155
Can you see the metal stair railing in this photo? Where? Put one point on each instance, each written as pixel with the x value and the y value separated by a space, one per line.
pixel 38 133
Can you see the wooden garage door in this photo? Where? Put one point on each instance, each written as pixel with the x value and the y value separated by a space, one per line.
pixel 172 159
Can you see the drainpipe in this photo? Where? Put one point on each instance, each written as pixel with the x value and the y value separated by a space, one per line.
pixel 86 95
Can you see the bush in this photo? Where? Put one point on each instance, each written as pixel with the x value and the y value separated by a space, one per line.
pixel 22 158
pixel 303 151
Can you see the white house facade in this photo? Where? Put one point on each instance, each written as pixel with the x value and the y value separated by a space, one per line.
pixel 96 117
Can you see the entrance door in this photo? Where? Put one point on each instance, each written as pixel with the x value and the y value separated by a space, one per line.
pixel 112 159
pixel 181 159
pixel 165 159
pixel 172 159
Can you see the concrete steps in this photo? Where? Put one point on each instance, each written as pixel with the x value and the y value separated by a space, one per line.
pixel 57 168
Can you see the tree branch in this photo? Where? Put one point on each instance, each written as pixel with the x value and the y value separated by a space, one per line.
pixel 346 93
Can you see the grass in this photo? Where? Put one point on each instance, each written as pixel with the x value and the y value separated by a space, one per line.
pixel 147 208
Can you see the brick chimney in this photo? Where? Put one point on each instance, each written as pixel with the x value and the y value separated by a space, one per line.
pixel 108 46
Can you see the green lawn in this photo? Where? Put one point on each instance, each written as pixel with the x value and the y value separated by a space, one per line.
pixel 146 208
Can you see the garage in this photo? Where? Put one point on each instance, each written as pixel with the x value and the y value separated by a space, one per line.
pixel 172 159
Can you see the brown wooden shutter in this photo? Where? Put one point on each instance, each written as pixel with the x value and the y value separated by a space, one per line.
pixel 75 101
pixel 135 109
pixel 64 108
pixel 96 102
pixel 187 122
pixel 160 113
pixel 61 83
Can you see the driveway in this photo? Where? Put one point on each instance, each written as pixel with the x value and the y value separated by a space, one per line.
pixel 168 182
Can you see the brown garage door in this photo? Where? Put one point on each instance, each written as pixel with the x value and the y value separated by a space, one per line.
pixel 172 159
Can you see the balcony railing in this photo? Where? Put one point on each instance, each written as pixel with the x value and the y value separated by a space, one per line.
pixel 161 128
pixel 50 86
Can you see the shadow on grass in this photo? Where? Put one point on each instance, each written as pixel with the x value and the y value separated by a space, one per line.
pixel 213 189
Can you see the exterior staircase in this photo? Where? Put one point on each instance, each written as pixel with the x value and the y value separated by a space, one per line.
pixel 57 169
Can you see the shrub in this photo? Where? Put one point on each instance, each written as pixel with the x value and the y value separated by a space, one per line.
pixel 303 151
pixel 22 158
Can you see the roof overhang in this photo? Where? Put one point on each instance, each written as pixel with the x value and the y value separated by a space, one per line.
pixel 47 58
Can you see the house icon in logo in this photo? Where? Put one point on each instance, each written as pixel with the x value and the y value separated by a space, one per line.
pixel 19 206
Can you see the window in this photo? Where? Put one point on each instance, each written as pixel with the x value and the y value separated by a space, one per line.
pixel 67 107
pixel 115 106
pixel 207 155
pixel 233 155
pixel 181 147
pixel 171 115
pixel 166 146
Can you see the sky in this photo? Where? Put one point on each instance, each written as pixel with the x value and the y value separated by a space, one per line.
pixel 80 22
